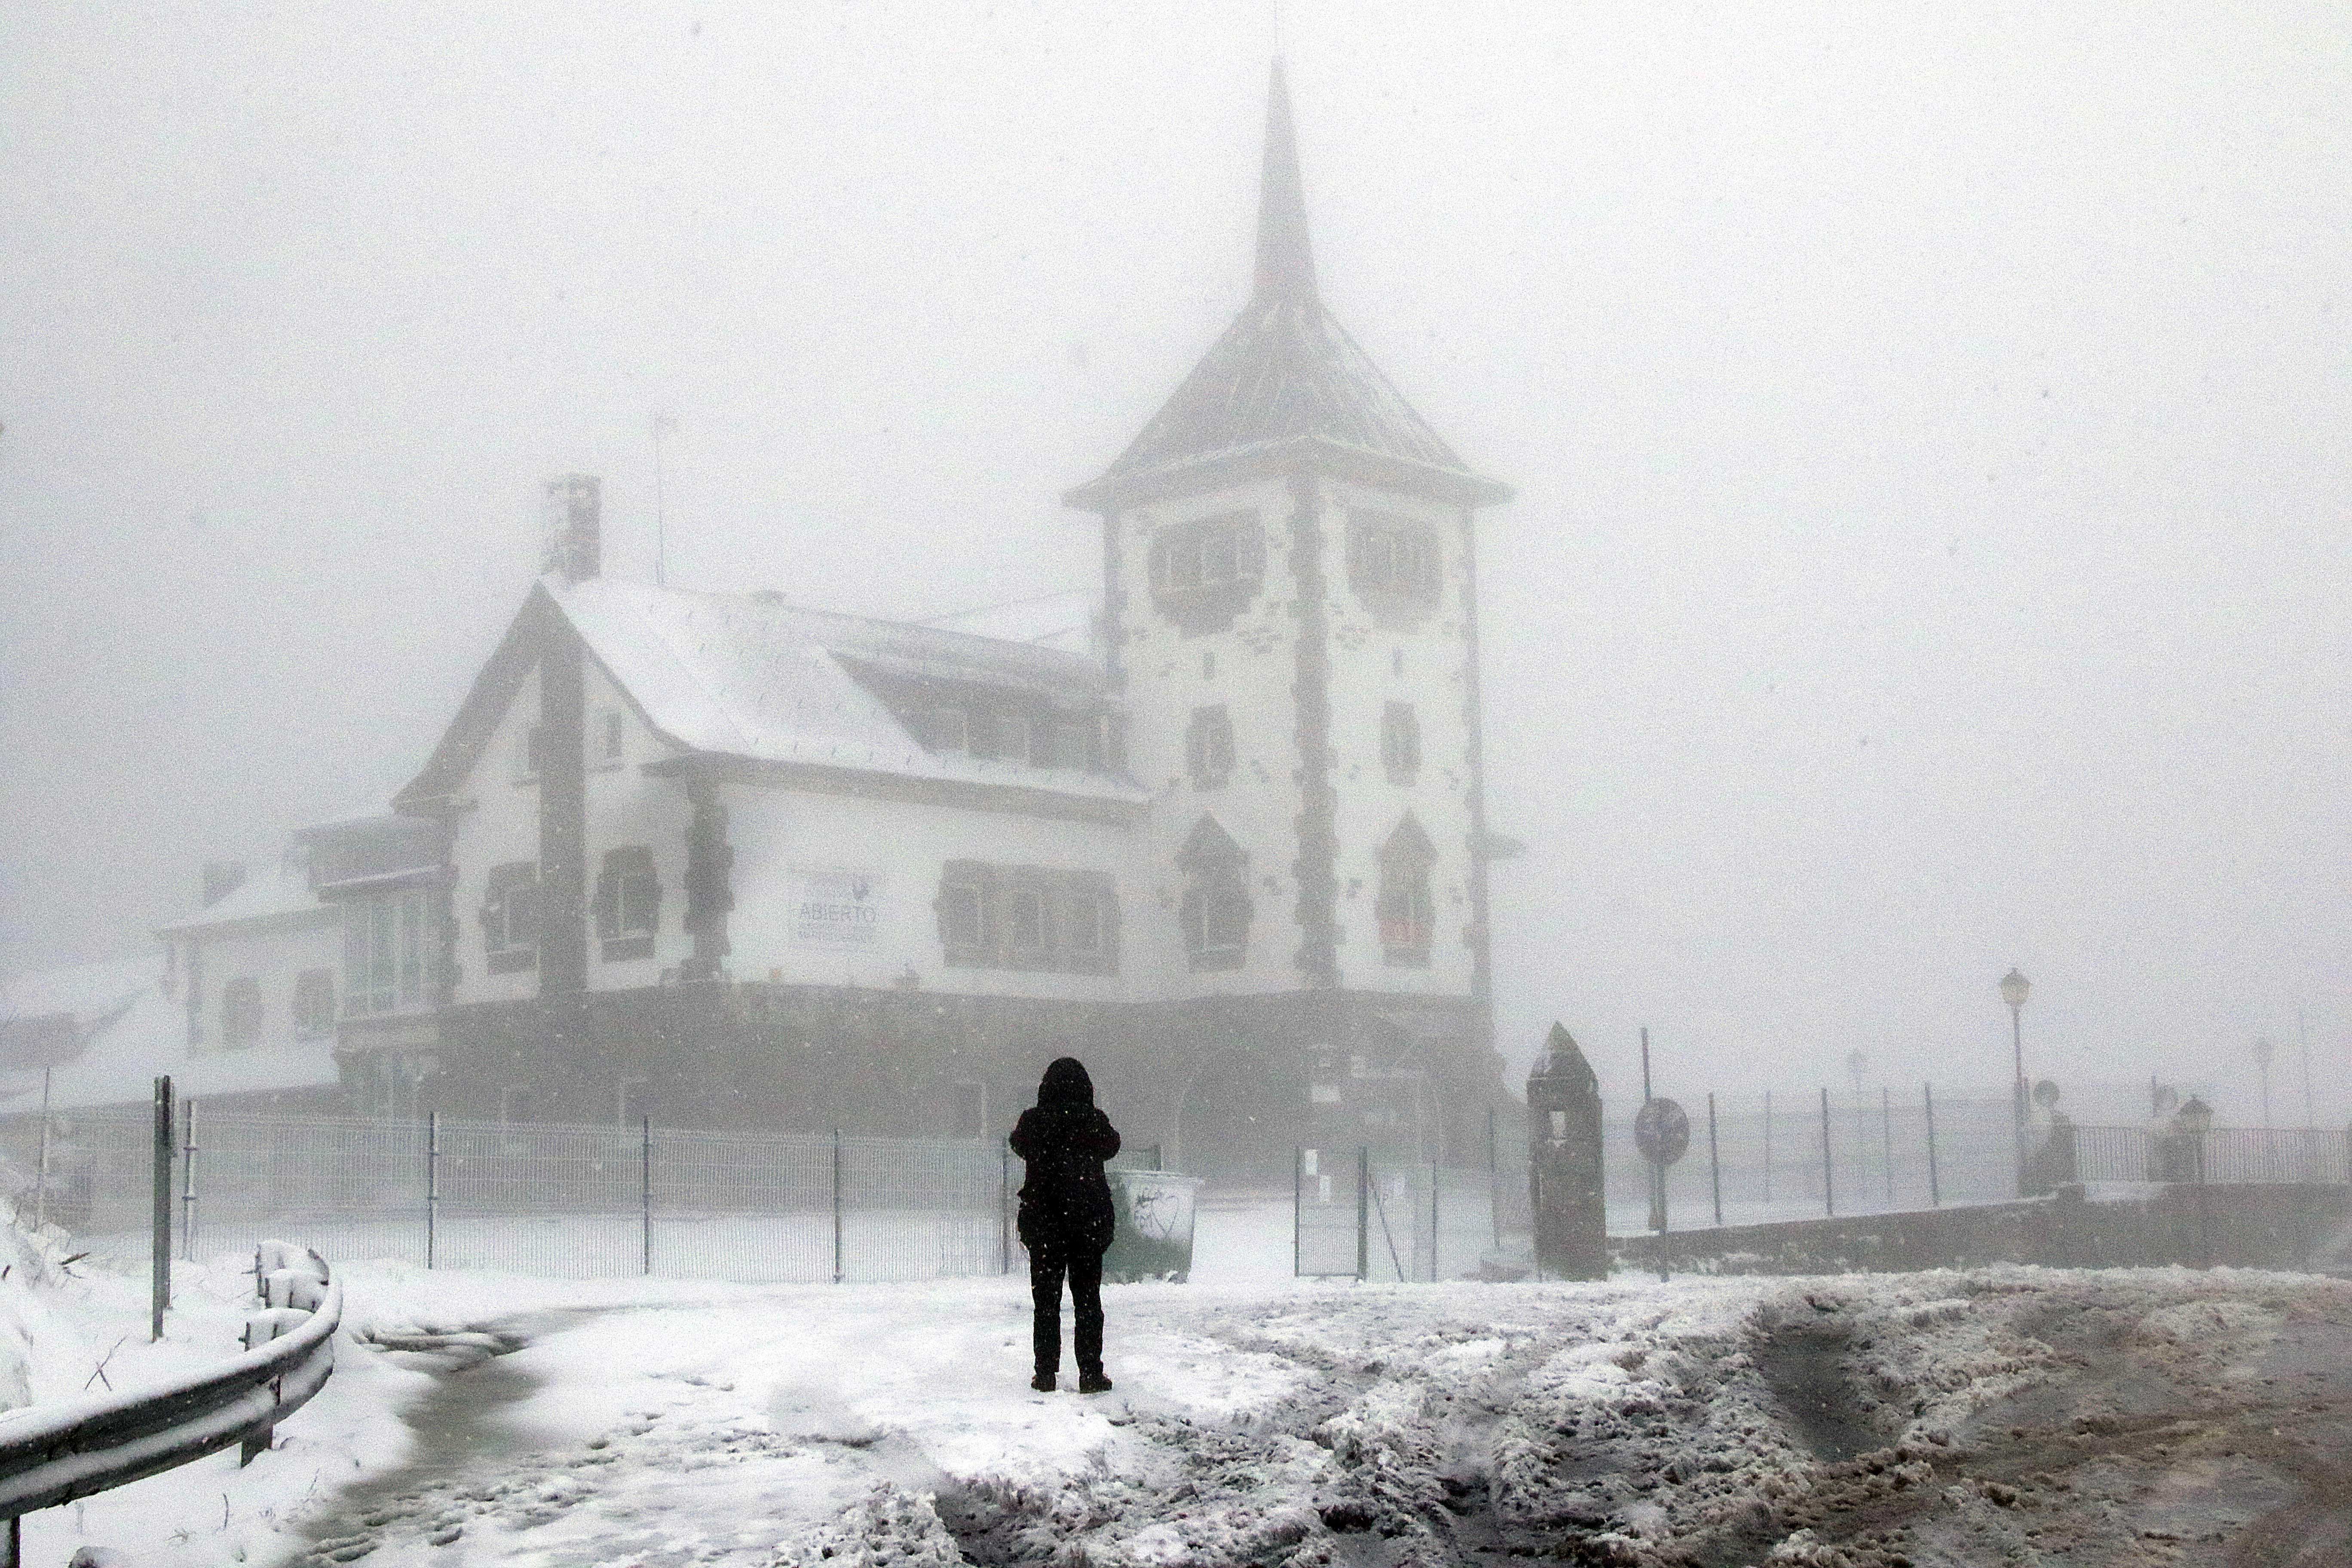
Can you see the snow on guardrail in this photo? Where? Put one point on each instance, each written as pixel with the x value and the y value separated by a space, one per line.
pixel 54 1454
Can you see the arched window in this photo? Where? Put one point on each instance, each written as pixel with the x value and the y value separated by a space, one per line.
pixel 1216 907
pixel 1408 915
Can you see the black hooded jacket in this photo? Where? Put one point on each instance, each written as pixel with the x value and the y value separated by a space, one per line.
pixel 1064 1141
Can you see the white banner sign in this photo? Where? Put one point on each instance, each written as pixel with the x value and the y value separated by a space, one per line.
pixel 835 909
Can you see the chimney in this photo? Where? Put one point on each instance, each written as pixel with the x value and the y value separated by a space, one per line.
pixel 574 539
pixel 222 878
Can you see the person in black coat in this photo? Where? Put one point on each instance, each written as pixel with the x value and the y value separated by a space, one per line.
pixel 1066 1217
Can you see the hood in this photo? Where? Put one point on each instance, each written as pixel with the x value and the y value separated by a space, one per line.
pixel 1066 1083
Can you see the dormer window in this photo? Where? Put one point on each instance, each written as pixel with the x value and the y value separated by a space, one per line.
pixel 1204 573
pixel 1392 564
pixel 534 752
pixel 1215 911
pixel 943 729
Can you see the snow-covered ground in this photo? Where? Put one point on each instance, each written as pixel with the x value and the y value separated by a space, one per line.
pixel 1987 1416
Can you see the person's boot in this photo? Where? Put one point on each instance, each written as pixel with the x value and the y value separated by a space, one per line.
pixel 1044 1382
pixel 1093 1382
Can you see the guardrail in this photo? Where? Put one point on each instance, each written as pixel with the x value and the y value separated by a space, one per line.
pixel 54 1454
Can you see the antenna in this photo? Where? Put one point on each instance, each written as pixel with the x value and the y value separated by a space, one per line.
pixel 662 423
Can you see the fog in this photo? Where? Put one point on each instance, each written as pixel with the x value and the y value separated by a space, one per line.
pixel 1928 424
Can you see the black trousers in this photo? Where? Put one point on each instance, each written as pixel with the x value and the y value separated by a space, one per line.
pixel 1047 1265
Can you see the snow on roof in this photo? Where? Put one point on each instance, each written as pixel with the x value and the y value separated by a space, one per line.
pixel 86 991
pixel 268 891
pixel 119 1065
pixel 748 676
pixel 1062 621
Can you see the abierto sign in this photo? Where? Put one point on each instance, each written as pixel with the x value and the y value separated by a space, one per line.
pixel 835 909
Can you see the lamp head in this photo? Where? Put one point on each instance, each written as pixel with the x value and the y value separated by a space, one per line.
pixel 2014 988
pixel 2195 1116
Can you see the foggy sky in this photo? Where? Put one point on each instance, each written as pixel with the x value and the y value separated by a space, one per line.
pixel 1929 426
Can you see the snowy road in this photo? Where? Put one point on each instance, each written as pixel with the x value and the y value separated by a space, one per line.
pixel 2005 1416
pixel 2026 1416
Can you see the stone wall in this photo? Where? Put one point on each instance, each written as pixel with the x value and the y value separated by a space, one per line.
pixel 2252 1227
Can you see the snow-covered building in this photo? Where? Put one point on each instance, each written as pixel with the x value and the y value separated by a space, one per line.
pixel 723 860
pixel 239 1007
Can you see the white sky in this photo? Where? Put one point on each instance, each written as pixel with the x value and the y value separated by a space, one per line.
pixel 1931 550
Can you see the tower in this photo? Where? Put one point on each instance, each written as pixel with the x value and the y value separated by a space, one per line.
pixel 1290 574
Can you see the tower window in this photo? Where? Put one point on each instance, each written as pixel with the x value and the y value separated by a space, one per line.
pixel 628 903
pixel 615 736
pixel 1215 913
pixel 510 918
pixel 1399 743
pixel 1407 916
pixel 1209 747
pixel 1204 573
pixel 1392 565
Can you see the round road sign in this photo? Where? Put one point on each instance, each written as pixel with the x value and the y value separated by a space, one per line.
pixel 1661 1131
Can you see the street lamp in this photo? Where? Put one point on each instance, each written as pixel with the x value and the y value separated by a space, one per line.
pixel 2014 989
pixel 2263 1051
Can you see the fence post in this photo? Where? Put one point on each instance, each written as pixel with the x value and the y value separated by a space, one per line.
pixel 1297 1192
pixel 1363 1211
pixel 1934 1184
pixel 1494 1186
pixel 432 1185
pixel 1886 1131
pixel 1714 1160
pixel 1829 1193
pixel 160 1217
pixel 1433 1219
pixel 646 1188
pixel 188 1183
pixel 836 1205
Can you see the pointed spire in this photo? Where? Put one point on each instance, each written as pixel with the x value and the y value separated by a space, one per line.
pixel 1286 261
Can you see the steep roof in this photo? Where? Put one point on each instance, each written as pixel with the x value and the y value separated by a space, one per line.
pixel 1285 376
pixel 747 676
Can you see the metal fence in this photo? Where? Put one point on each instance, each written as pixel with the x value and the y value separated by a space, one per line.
pixel 2320 1156
pixel 1786 1157
pixel 1357 1215
pixel 532 1198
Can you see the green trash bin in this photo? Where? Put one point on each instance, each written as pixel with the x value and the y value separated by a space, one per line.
pixel 1153 1238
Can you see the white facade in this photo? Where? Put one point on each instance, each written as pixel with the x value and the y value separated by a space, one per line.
pixel 839 890
pixel 260 970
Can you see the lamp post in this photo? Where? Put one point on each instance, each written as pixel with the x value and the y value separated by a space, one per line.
pixel 2014 988
pixel 2263 1051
